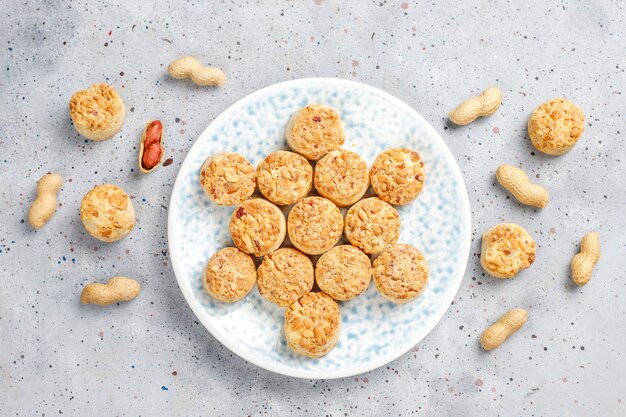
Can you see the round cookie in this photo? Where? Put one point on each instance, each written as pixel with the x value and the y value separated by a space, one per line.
pixel 284 177
pixel 343 272
pixel 506 250
pixel 555 126
pixel 229 275
pixel 227 178
pixel 315 225
pixel 314 130
pixel 342 177
pixel 400 273
pixel 257 227
pixel 312 325
pixel 398 175
pixel 284 276
pixel 107 213
pixel 97 112
pixel 372 225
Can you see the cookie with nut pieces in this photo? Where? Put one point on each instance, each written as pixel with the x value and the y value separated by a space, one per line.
pixel 284 177
pixel 227 178
pixel 312 324
pixel 506 250
pixel 97 112
pixel 398 175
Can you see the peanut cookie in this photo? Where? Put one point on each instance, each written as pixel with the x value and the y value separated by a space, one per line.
pixel 227 178
pixel 400 273
pixel 372 225
pixel 341 176
pixel 284 177
pixel 398 175
pixel 506 250
pixel 343 272
pixel 555 126
pixel 314 131
pixel 312 325
pixel 97 112
pixel 107 213
pixel 284 276
pixel 315 225
pixel 257 227
pixel 230 275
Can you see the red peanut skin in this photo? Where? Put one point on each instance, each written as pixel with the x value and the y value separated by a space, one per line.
pixel 152 145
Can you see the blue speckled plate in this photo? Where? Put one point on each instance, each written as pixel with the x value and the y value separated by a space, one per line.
pixel 374 331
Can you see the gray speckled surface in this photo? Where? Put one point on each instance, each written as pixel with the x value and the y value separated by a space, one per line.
pixel 151 357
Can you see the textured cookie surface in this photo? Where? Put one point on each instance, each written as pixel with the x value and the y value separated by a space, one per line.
pixel 107 213
pixel 312 324
pixel 284 276
pixel 284 177
pixel 400 273
pixel 506 250
pixel 314 131
pixel 555 126
pixel 229 275
pixel 257 227
pixel 342 177
pixel 343 272
pixel 315 225
pixel 227 178
pixel 398 175
pixel 372 225
pixel 97 112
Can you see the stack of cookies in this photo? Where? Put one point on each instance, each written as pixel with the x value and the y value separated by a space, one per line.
pixel 314 224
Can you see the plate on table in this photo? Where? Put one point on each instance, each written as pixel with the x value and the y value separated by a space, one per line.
pixel 373 331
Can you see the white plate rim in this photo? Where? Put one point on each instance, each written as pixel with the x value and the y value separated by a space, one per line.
pixel 462 260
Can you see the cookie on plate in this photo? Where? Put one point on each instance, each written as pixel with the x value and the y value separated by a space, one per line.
pixel 229 275
pixel 107 213
pixel 284 276
pixel 398 175
pixel 257 227
pixel 97 112
pixel 555 126
pixel 227 178
pixel 342 177
pixel 312 324
pixel 372 225
pixel 315 130
pixel 315 225
pixel 400 273
pixel 284 177
pixel 343 272
pixel 506 250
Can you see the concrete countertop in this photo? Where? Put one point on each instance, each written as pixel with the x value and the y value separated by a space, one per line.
pixel 152 357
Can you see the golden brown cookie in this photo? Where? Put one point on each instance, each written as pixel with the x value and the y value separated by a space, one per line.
pixel 284 276
pixel 107 213
pixel 506 250
pixel 372 225
pixel 400 273
pixel 555 126
pixel 97 112
pixel 230 275
pixel 398 175
pixel 312 325
pixel 257 227
pixel 284 177
pixel 315 130
pixel 315 225
pixel 343 272
pixel 342 177
pixel 227 178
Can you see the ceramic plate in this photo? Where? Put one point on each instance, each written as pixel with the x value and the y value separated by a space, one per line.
pixel 373 330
